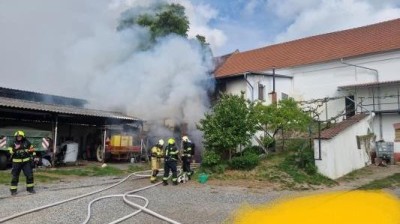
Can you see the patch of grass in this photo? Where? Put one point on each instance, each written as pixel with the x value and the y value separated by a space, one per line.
pixel 301 177
pixel 284 169
pixel 136 168
pixel 88 171
pixel 5 178
pixel 387 182
pixel 356 174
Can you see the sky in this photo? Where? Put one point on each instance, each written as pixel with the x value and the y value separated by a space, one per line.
pixel 72 47
pixel 242 25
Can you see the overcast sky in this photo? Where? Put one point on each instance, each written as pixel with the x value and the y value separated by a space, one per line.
pixel 249 24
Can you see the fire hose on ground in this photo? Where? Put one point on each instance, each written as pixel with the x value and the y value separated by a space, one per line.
pixel 124 196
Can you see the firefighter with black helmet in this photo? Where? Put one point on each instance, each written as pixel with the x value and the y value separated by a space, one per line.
pixel 156 156
pixel 170 162
pixel 188 152
pixel 21 151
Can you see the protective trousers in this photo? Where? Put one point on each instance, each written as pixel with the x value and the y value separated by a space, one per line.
pixel 170 165
pixel 155 166
pixel 186 165
pixel 26 167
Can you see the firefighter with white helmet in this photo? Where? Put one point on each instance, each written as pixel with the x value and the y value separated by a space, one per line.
pixel 170 161
pixel 156 156
pixel 21 151
pixel 188 152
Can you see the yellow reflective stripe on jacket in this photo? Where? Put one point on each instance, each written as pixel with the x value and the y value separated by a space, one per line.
pixel 10 149
pixel 173 152
pixel 21 160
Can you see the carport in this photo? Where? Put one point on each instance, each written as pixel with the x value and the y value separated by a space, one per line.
pixel 17 109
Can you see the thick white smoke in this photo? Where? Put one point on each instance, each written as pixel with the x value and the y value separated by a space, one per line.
pixel 72 48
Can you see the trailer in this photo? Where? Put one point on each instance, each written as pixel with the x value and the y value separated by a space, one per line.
pixel 121 147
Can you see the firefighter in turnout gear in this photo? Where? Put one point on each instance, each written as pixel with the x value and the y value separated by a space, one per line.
pixel 156 156
pixel 170 161
pixel 21 151
pixel 188 152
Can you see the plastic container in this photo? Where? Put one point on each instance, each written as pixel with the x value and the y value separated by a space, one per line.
pixel 116 140
pixel 203 177
pixel 126 140
pixel 71 154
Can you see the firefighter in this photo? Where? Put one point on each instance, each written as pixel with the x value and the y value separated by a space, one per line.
pixel 188 152
pixel 170 161
pixel 156 156
pixel 21 151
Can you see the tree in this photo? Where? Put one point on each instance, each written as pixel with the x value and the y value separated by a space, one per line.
pixel 286 115
pixel 169 18
pixel 232 122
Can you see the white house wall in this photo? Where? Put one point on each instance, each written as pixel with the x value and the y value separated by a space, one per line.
pixel 236 86
pixel 339 159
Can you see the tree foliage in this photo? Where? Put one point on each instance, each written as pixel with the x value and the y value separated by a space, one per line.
pixel 169 18
pixel 232 122
pixel 286 115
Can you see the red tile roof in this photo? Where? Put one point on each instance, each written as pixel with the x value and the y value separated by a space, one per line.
pixel 380 37
pixel 339 127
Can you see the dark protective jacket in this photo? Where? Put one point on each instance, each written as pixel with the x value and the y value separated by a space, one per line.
pixel 171 152
pixel 19 149
pixel 188 149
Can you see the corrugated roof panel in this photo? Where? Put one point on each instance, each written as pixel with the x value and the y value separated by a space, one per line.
pixel 29 105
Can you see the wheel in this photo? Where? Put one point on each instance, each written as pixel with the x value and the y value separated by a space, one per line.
pixel 100 154
pixel 3 161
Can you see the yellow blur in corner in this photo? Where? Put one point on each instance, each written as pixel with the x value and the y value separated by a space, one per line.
pixel 351 207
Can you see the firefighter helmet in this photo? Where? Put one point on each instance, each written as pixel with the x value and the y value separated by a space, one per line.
pixel 185 139
pixel 161 142
pixel 171 141
pixel 19 133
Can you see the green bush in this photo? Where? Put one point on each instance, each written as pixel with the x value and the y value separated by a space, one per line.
pixel 269 143
pixel 297 144
pixel 253 149
pixel 245 162
pixel 210 159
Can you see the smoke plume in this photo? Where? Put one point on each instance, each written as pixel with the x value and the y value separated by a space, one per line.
pixel 72 48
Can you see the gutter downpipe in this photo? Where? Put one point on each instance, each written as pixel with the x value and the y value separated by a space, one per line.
pixel 251 86
pixel 379 92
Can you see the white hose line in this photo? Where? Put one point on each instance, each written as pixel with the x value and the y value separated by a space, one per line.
pixel 63 201
pixel 94 192
pixel 110 196
pixel 118 195
pixel 132 204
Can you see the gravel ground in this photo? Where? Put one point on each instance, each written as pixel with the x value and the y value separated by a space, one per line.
pixel 185 203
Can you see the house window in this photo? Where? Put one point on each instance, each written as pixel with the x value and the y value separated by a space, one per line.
pixel 285 96
pixel 261 91
pixel 397 135
pixel 350 106
pixel 221 87
pixel 358 142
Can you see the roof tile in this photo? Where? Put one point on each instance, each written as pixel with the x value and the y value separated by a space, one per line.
pixel 339 127
pixel 380 37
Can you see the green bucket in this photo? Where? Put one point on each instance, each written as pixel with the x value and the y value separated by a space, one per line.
pixel 203 178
